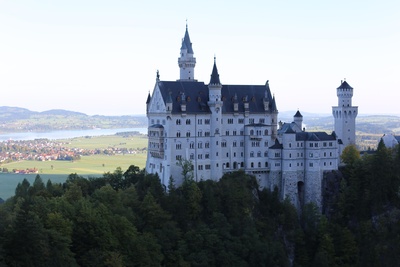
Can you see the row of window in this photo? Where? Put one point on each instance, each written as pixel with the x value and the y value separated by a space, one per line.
pixel 207 121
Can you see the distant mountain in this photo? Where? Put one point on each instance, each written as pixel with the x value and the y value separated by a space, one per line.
pixel 62 112
pixel 14 119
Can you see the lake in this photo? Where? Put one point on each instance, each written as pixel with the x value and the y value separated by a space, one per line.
pixel 67 134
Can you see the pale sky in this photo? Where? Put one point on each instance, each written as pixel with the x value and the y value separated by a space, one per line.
pixel 101 57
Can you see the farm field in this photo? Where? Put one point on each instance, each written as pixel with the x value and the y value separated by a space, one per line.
pixel 105 141
pixel 88 166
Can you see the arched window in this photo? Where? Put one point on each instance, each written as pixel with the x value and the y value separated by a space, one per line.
pixel 265 132
pixel 251 132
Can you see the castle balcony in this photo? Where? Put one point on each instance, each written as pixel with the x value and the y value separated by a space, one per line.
pixel 255 137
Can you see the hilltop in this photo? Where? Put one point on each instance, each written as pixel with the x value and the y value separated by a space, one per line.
pixel 15 119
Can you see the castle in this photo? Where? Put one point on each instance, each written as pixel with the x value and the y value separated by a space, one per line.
pixel 221 128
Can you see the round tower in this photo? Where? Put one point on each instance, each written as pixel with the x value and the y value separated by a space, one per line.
pixel 345 115
pixel 298 119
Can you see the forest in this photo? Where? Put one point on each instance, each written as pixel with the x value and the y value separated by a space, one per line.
pixel 127 218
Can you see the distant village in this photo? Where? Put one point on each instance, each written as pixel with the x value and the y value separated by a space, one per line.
pixel 49 150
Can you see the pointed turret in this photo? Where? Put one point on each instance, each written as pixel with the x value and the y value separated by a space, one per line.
pixel 273 105
pixel 148 102
pixel 215 85
pixel 186 44
pixel 214 75
pixel 298 119
pixel 186 61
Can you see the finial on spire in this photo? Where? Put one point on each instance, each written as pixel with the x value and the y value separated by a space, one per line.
pixel 158 75
pixel 215 59
pixel 186 24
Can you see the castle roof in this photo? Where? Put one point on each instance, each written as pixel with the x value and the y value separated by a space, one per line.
pixel 345 85
pixel 298 115
pixel 277 145
pixel 315 136
pixel 196 95
pixel 148 98
pixel 214 74
pixel 289 128
pixel 186 44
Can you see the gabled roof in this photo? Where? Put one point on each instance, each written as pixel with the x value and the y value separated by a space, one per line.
pixel 345 85
pixel 186 44
pixel 289 128
pixel 315 136
pixel 277 145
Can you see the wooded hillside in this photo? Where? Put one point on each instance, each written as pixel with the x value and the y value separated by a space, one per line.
pixel 129 219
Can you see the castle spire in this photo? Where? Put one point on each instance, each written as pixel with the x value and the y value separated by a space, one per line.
pixel 214 75
pixel 186 61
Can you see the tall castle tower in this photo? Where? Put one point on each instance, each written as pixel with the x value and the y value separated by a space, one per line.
pixel 215 103
pixel 186 61
pixel 345 115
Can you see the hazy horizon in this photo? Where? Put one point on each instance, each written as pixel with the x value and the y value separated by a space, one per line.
pixel 102 57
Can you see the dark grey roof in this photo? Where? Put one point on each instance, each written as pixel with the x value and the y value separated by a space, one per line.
pixel 148 98
pixel 186 44
pixel 397 138
pixel 277 145
pixel 345 85
pixel 315 136
pixel 252 94
pixel 287 128
pixel 214 74
pixel 298 115
pixel 156 126
pixel 196 96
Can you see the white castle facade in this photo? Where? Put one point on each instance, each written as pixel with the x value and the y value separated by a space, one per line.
pixel 221 128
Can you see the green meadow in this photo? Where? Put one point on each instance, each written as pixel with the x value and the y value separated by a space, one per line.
pixel 88 166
